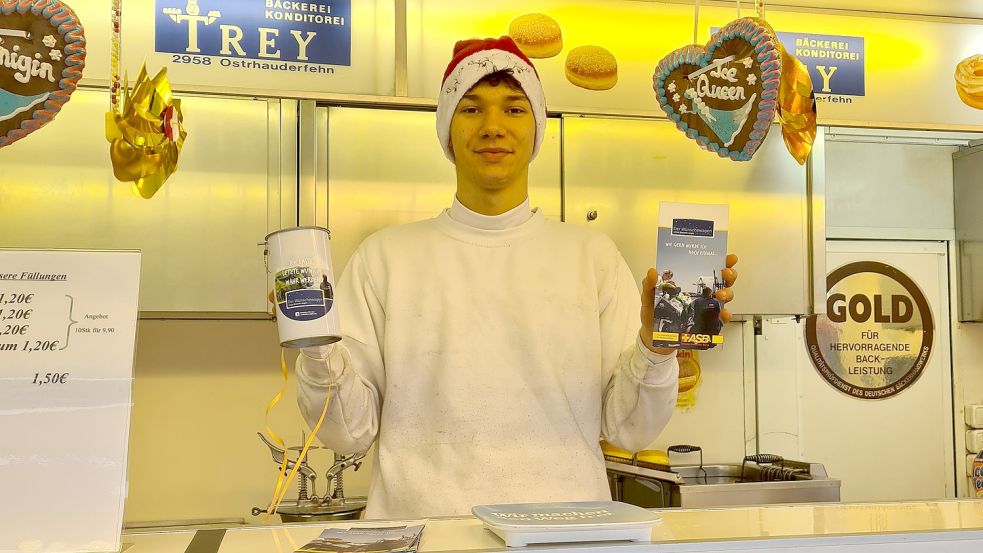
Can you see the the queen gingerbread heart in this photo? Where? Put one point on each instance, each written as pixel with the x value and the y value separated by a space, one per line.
pixel 724 95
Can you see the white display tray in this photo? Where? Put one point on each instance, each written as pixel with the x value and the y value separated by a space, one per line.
pixel 523 523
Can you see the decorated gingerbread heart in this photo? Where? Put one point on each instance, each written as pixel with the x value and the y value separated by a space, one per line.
pixel 724 95
pixel 42 53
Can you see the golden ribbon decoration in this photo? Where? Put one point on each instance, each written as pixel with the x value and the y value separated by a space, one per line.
pixel 796 107
pixel 283 479
pixel 276 438
pixel 147 137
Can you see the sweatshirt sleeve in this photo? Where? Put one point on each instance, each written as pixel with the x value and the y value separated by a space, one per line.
pixel 352 370
pixel 640 395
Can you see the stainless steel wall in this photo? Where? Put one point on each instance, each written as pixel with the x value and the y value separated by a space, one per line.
pixel 198 234
pixel 623 168
pixel 968 195
pixel 877 187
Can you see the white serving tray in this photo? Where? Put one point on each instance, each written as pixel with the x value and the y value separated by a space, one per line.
pixel 520 524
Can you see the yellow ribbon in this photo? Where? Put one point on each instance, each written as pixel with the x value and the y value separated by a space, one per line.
pixel 282 483
pixel 273 435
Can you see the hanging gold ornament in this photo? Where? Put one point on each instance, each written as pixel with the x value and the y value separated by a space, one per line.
pixel 147 137
pixel 796 107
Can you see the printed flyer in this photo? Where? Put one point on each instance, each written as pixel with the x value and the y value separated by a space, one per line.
pixel 391 538
pixel 691 254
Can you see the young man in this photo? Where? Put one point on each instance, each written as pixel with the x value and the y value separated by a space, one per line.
pixel 488 349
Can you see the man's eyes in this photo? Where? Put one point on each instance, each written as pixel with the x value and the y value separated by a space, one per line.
pixel 513 110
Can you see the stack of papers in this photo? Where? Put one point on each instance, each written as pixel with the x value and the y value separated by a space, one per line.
pixel 375 537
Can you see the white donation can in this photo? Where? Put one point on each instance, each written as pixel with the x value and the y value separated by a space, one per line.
pixel 299 259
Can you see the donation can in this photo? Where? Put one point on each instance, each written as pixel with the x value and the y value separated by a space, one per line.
pixel 299 259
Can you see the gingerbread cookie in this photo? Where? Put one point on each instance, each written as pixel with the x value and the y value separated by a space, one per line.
pixel 724 96
pixel 42 54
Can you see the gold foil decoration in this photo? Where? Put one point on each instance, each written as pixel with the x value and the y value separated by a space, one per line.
pixel 796 107
pixel 690 377
pixel 147 137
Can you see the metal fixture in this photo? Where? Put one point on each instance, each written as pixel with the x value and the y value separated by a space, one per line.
pixel 309 507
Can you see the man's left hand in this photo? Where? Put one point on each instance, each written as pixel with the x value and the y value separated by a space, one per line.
pixel 725 295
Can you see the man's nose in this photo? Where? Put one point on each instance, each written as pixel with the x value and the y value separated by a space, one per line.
pixel 492 125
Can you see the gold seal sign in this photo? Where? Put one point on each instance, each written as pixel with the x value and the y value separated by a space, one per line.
pixel 877 334
pixel 145 140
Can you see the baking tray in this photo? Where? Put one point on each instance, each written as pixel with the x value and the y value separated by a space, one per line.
pixel 520 524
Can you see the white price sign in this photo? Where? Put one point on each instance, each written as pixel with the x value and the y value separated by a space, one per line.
pixel 67 334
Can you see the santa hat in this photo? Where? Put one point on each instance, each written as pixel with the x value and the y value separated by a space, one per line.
pixel 475 59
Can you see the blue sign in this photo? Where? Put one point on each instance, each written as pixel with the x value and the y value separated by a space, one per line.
pixel 273 31
pixel 692 227
pixel 836 63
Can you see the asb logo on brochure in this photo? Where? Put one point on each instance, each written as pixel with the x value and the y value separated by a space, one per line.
pixel 283 35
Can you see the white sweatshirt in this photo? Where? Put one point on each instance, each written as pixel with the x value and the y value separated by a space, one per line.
pixel 486 362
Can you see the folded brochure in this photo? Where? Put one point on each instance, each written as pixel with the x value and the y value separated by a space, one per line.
pixel 691 253
pixel 374 537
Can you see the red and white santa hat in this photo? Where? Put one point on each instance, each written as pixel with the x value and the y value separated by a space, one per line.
pixel 473 60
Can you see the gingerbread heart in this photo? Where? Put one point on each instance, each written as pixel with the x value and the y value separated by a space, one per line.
pixel 42 54
pixel 724 95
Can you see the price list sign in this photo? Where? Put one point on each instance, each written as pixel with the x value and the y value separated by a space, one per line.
pixel 67 336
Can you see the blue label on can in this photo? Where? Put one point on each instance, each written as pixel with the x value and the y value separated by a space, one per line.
pixel 303 294
pixel 304 305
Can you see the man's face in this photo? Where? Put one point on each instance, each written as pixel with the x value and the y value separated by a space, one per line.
pixel 492 133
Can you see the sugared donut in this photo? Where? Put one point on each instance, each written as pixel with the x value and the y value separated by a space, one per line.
pixel 616 454
pixel 537 35
pixel 969 81
pixel 592 67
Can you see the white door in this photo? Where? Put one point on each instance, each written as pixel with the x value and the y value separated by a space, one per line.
pixel 899 447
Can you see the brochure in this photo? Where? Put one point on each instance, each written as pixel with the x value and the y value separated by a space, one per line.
pixel 393 537
pixel 691 254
